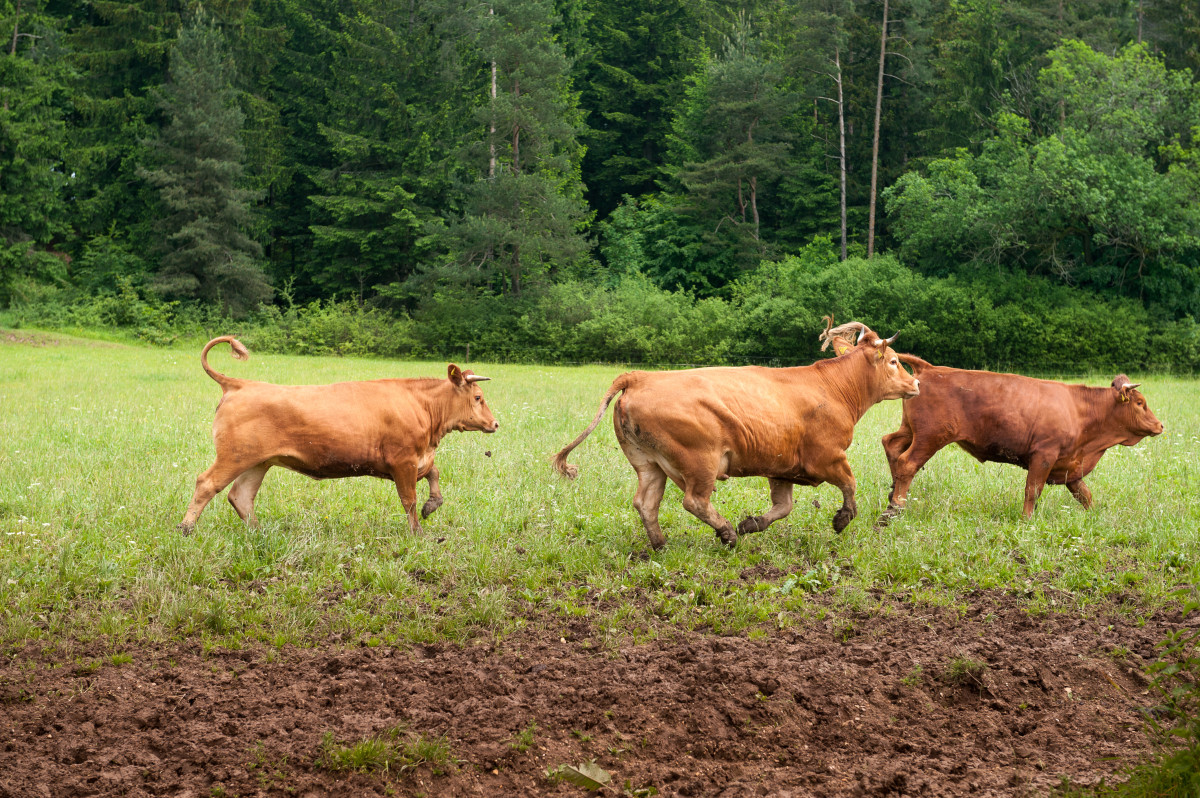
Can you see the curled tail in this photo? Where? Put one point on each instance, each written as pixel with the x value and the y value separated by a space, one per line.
pixel 918 365
pixel 239 353
pixel 560 460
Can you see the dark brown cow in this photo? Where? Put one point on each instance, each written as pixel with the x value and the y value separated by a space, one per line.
pixel 791 425
pixel 1057 432
pixel 379 428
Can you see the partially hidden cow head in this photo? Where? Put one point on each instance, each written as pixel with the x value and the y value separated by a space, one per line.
pixel 1131 411
pixel 895 381
pixel 470 412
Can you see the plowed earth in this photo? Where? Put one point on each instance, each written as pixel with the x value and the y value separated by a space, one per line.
pixel 853 706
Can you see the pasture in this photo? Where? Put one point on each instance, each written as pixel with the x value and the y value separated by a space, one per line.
pixel 531 626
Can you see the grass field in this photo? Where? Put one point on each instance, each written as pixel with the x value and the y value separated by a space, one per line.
pixel 100 445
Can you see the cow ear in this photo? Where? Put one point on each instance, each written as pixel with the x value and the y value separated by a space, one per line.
pixel 455 374
pixel 1124 387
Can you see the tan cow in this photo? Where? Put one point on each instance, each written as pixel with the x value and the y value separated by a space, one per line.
pixel 791 425
pixel 379 428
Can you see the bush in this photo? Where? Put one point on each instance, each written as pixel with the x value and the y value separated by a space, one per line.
pixel 331 328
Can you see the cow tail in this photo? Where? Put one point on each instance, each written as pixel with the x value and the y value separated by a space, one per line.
pixel 560 460
pixel 918 365
pixel 239 353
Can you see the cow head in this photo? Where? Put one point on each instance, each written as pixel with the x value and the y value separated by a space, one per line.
pixel 471 412
pixel 1132 412
pixel 893 379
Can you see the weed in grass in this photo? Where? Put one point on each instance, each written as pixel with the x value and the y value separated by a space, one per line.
pixel 524 738
pixel 914 677
pixel 394 751
pixel 121 659
pixel 966 671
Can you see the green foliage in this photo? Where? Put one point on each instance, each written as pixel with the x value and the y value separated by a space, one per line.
pixel 1100 201
pixel 331 328
pixel 32 145
pixel 196 164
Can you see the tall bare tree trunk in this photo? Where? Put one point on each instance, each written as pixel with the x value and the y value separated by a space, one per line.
pixel 837 61
pixel 875 139
pixel 17 23
pixel 492 138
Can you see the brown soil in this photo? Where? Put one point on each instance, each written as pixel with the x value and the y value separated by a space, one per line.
pixel 838 708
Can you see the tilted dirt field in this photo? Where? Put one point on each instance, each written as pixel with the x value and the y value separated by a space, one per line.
pixel 850 706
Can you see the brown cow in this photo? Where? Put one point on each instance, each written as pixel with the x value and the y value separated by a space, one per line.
pixel 791 425
pixel 1057 432
pixel 380 428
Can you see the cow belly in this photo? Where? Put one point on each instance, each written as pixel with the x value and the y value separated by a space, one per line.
pixel 996 454
pixel 329 470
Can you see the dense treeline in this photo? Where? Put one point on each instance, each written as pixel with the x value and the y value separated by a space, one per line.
pixel 579 180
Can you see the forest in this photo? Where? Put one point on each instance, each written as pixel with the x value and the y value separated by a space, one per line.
pixel 1009 183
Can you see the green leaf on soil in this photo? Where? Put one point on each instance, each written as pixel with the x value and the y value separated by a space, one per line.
pixel 588 775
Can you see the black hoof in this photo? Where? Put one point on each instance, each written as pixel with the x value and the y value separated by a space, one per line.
pixel 750 525
pixel 728 537
pixel 429 506
pixel 842 520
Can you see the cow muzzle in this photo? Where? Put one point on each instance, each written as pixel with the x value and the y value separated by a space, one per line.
pixel 916 390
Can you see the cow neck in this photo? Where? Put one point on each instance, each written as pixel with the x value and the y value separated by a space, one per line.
pixel 850 378
pixel 1101 431
pixel 436 398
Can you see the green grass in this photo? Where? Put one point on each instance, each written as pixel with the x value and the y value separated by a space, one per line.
pixel 394 751
pixel 100 445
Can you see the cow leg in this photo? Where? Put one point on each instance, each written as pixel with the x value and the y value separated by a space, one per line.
pixel 894 446
pixel 1040 464
pixel 781 505
pixel 652 481
pixel 244 489
pixel 1081 493
pixel 209 484
pixel 841 477
pixel 904 469
pixel 405 477
pixel 696 494
pixel 435 493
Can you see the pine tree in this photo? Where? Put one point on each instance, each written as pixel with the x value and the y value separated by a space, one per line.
pixel 525 213
pixel 630 85
pixel 32 145
pixel 196 163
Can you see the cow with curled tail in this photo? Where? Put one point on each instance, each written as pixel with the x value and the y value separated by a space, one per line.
pixel 377 428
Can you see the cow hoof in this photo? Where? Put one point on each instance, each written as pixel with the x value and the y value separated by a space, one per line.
pixel 842 520
pixel 186 529
pixel 728 537
pixel 750 525
pixel 431 505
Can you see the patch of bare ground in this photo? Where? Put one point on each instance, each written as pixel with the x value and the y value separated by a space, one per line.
pixel 38 339
pixel 868 705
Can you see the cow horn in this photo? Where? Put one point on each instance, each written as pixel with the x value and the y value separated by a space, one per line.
pixel 476 378
pixel 1129 386
pixel 889 341
pixel 861 333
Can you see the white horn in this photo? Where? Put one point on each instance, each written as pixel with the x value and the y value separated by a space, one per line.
pixel 1130 386
pixel 861 333
pixel 477 378
pixel 890 340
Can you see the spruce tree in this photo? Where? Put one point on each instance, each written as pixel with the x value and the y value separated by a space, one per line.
pixel 32 173
pixel 196 163
pixel 524 213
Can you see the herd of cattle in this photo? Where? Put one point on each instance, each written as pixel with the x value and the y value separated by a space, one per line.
pixel 696 426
